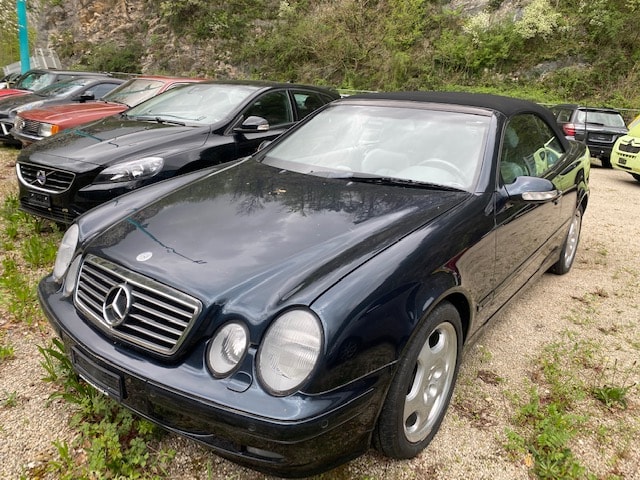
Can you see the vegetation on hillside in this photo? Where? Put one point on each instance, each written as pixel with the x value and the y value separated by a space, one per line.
pixel 545 50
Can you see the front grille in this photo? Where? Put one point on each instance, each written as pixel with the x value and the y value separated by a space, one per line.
pixel 28 127
pixel 629 148
pixel 158 317
pixel 45 179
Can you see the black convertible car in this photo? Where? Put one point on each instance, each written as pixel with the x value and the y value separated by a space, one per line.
pixel 298 306
pixel 179 131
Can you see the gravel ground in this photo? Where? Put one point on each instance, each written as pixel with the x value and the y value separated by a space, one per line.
pixel 597 300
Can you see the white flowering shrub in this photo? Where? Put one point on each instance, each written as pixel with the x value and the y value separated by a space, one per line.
pixel 477 25
pixel 539 19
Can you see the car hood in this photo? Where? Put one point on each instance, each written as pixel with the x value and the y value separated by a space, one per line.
pixel 5 92
pixel 75 113
pixel 254 236
pixel 107 142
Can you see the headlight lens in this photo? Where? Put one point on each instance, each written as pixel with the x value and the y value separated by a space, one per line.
pixel 289 351
pixel 131 170
pixel 227 349
pixel 47 129
pixel 65 253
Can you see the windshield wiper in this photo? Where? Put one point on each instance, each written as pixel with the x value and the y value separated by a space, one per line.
pixel 404 182
pixel 157 119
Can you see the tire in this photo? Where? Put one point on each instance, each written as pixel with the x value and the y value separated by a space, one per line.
pixel 636 176
pixel 606 162
pixel 421 389
pixel 570 246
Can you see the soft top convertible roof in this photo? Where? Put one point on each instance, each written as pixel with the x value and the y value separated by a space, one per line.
pixel 507 106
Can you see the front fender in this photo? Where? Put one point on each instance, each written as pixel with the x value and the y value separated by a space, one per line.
pixel 370 315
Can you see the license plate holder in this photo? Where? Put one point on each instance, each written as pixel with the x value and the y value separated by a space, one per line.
pixel 39 199
pixel 97 376
pixel 622 160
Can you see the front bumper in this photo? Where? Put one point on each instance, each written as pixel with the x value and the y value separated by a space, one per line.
pixel 627 162
pixel 293 436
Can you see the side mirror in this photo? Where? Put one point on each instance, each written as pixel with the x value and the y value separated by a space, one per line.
pixel 86 96
pixel 253 124
pixel 532 190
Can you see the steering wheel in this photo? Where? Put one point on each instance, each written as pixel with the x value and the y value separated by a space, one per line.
pixel 444 165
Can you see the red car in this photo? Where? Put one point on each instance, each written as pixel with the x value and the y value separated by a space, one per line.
pixel 33 125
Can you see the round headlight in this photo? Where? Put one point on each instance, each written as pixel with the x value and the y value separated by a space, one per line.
pixel 66 250
pixel 227 349
pixel 289 352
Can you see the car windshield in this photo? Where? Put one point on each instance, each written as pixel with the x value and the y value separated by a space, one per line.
pixel 391 144
pixel 608 119
pixel 66 87
pixel 200 104
pixel 35 81
pixel 134 91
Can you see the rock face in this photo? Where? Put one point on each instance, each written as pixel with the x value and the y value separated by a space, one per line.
pixel 78 26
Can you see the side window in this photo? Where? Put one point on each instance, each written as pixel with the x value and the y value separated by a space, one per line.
pixel 563 116
pixel 307 102
pixel 274 107
pixel 101 89
pixel 529 147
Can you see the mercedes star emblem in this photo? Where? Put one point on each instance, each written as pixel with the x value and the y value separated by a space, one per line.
pixel 116 305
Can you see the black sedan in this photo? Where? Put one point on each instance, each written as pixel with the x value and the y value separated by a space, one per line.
pixel 296 307
pixel 182 130
pixel 81 89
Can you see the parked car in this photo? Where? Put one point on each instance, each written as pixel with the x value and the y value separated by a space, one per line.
pixel 37 79
pixel 9 80
pixel 599 128
pixel 184 129
pixel 634 122
pixel 78 90
pixel 38 123
pixel 626 153
pixel 295 307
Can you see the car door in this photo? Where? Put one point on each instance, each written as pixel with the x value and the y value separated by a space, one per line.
pixel 524 229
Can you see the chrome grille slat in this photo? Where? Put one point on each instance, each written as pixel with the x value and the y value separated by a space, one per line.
pixel 173 332
pixel 148 310
pixel 57 181
pixel 96 306
pixel 158 318
pixel 31 127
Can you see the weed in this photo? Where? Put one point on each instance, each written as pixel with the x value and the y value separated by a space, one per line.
pixel 39 251
pixel 22 302
pixel 111 439
pixel 614 393
pixel 10 399
pixel 6 353
pixel 550 430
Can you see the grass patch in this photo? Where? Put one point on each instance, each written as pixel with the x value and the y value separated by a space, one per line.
pixel 111 440
pixel 569 378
